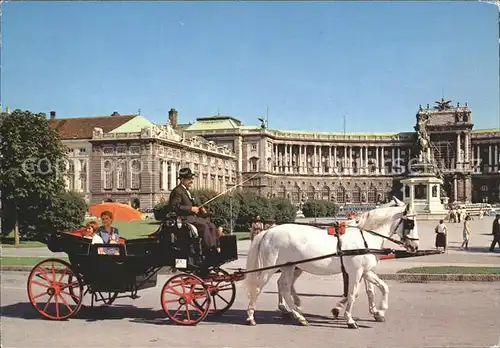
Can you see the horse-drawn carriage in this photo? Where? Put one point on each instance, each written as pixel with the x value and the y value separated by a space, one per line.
pixel 193 293
pixel 56 288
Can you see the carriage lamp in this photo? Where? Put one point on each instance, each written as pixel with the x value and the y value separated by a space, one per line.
pixel 179 223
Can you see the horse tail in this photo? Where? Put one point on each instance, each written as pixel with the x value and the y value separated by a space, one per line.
pixel 254 261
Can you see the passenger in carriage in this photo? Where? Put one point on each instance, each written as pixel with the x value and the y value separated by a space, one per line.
pixel 90 233
pixel 108 233
pixel 181 202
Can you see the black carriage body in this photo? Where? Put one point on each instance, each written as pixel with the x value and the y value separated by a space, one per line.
pixel 139 260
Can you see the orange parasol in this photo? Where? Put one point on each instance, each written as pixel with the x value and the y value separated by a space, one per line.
pixel 121 212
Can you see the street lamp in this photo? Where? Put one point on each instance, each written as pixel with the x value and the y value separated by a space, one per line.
pixel 230 186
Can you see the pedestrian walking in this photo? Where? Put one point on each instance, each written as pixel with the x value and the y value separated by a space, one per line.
pixel 466 233
pixel 441 235
pixel 495 230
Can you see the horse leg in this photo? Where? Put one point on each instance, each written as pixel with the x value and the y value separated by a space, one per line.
pixel 370 293
pixel 282 306
pixel 340 305
pixel 355 278
pixel 371 277
pixel 296 299
pixel 254 293
pixel 287 281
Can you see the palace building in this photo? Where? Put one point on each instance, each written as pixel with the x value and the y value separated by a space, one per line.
pixel 130 159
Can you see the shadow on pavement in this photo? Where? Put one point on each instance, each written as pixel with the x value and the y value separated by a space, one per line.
pixel 484 249
pixel 306 295
pixel 24 310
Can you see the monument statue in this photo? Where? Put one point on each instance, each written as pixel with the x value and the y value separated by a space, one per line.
pixel 442 104
pixel 423 136
pixel 262 123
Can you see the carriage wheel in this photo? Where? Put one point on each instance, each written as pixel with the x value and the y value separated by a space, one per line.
pixel 222 291
pixel 54 289
pixel 185 299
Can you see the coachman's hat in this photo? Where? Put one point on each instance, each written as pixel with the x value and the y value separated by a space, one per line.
pixel 186 173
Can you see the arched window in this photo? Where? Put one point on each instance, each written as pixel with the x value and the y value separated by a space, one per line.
pixel 71 176
pixel 282 191
pixel 83 175
pixel 372 194
pixel 340 194
pixel 325 193
pixel 135 175
pixel 253 162
pixel 108 175
pixel 356 195
pixel 310 193
pixel 296 194
pixel 121 184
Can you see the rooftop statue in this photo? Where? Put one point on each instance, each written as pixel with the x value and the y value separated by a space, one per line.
pixel 442 104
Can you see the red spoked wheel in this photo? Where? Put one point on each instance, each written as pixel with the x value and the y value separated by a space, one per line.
pixel 185 299
pixel 222 290
pixel 54 289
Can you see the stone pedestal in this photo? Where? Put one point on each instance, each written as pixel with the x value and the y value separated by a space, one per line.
pixel 423 193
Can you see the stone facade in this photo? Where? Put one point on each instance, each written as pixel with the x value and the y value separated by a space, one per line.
pixel 362 167
pixel 140 166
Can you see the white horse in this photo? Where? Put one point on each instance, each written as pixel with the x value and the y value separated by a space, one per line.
pixel 285 310
pixel 294 243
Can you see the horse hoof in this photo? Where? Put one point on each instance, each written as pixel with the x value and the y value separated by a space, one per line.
pixel 379 318
pixel 335 313
pixel 352 326
pixel 303 322
pixel 251 322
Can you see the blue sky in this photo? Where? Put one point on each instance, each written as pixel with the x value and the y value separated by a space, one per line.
pixel 310 63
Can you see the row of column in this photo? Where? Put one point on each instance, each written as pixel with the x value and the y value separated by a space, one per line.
pixel 309 159
pixel 492 160
pixel 207 180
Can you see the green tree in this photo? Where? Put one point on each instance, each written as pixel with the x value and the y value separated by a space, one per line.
pixel 32 163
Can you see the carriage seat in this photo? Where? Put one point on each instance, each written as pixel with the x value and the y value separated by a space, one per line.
pixel 193 231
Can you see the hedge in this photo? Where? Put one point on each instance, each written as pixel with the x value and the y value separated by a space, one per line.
pixel 244 207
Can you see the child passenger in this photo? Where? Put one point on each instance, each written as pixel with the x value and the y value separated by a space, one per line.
pixel 108 233
pixel 90 233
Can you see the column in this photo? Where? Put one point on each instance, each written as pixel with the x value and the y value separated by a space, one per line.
pixel 393 158
pixel 412 193
pixel 455 189
pixel 346 170
pixel 314 160
pixel 330 160
pixel 496 158
pixel 335 159
pixel 173 176
pixel 377 162
pixel 367 170
pixel 164 175
pixel 459 160
pixel 490 158
pixel 350 160
pixel 466 145
pixel 382 160
pixel 478 158
pixel 320 164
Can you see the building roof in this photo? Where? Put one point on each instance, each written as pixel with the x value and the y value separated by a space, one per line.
pixel 82 127
pixel 214 123
pixel 486 130
pixel 133 125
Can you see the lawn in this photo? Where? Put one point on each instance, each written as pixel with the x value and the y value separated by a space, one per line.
pixel 23 261
pixel 128 230
pixel 452 270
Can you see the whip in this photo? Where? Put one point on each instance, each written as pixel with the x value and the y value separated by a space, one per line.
pixel 229 189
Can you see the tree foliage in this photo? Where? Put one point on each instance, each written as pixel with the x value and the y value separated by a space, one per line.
pixel 319 208
pixel 238 208
pixel 32 168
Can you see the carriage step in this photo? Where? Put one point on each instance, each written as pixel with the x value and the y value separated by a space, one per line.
pixel 135 297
